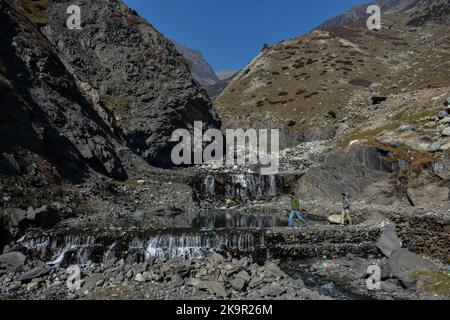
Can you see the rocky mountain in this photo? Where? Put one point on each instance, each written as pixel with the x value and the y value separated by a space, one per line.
pixel 360 11
pixel 137 86
pixel 213 83
pixel 199 67
pixel 356 89
pixel 86 117
pixel 226 75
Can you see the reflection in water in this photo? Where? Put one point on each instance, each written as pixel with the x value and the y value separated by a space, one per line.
pixel 227 219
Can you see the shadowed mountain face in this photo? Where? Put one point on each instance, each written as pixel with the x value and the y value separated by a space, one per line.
pixel 116 83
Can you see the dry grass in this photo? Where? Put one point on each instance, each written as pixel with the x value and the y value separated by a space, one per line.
pixel 35 10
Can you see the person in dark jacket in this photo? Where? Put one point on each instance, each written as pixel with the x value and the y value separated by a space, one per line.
pixel 346 209
pixel 295 206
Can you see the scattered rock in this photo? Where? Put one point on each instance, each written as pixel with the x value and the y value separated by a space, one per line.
pixel 272 290
pixel 139 278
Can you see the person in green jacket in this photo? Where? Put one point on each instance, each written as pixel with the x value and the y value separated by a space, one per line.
pixel 295 206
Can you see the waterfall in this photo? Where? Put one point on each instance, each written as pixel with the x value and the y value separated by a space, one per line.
pixel 72 249
pixel 58 249
pixel 209 185
pixel 240 186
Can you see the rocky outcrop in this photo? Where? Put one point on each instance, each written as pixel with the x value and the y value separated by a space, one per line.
pixel 43 110
pixel 137 73
pixel 353 172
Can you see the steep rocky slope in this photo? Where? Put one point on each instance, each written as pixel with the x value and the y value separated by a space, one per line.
pixel 78 106
pixel 44 111
pixel 136 72
pixel 347 84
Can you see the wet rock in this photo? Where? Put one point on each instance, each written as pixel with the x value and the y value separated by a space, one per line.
pixel 13 261
pixel 389 241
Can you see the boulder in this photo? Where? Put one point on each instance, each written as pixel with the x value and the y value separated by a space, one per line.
pixel 16 216
pixel 238 284
pixel 352 172
pixel 244 276
pixel 13 261
pixel 446 132
pixel 335 219
pixel 428 196
pixel 44 217
pixel 391 287
pixel 35 273
pixel 389 241
pixel 272 268
pixel 139 278
pixel 403 263
pixel 447 102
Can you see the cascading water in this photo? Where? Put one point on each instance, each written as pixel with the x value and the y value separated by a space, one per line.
pixel 241 186
pixel 55 250
pixel 65 250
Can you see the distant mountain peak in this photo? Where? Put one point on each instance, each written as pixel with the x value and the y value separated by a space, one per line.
pixel 200 68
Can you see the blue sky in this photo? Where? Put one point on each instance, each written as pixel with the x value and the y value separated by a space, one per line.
pixel 231 32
